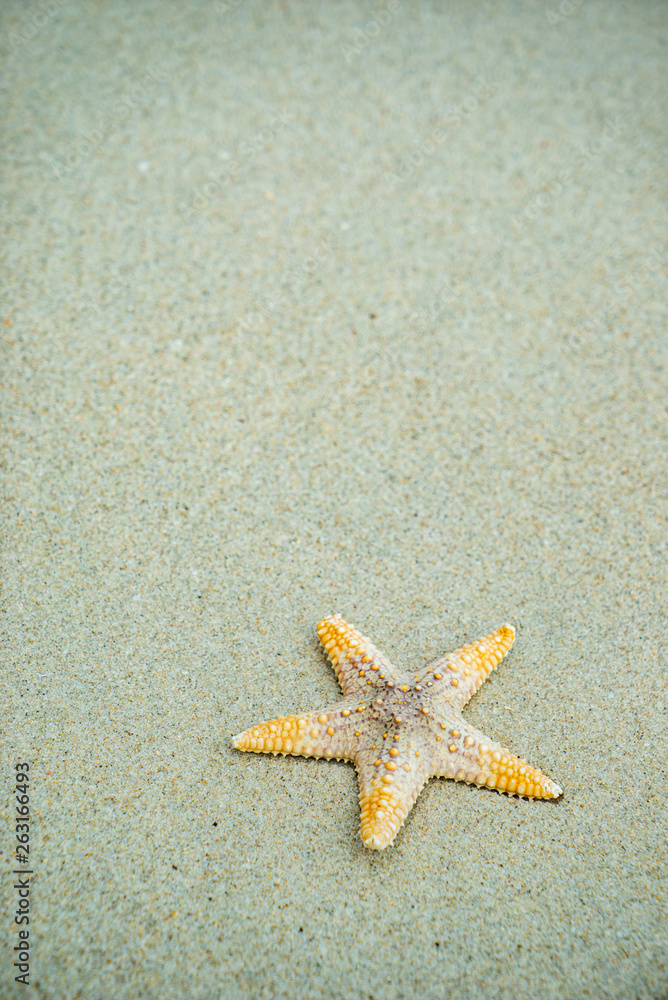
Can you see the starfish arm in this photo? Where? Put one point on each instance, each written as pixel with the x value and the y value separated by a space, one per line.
pixel 387 795
pixel 463 671
pixel 467 755
pixel 327 733
pixel 352 655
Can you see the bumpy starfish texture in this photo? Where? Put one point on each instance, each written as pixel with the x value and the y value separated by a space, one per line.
pixel 400 729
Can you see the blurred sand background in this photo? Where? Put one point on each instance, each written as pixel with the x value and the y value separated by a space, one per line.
pixel 305 311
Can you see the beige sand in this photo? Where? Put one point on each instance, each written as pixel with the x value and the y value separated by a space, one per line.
pixel 308 312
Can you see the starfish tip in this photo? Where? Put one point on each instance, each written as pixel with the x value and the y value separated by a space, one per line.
pixel 376 842
pixel 324 622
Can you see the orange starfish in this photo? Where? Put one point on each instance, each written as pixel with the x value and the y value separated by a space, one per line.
pixel 400 729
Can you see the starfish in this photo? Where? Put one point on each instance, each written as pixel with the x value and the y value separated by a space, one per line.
pixel 400 729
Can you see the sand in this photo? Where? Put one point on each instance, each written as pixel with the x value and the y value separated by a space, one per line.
pixel 310 309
